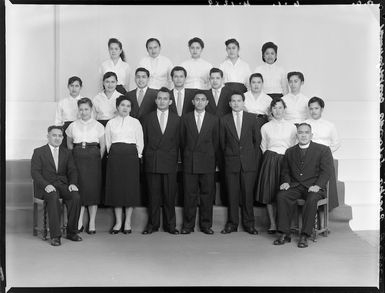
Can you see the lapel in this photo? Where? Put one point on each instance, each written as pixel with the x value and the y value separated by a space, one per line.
pixel 156 127
pixel 61 158
pixel 49 156
pixel 232 128
pixel 186 101
pixel 309 153
pixel 192 125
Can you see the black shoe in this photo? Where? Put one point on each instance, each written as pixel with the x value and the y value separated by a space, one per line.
pixel 207 231
pixel 91 232
pixel 149 231
pixel 251 230
pixel 228 229
pixel 55 241
pixel 81 229
pixel 302 241
pixel 271 231
pixel 282 239
pixel 114 232
pixel 74 237
pixel 173 231
pixel 129 231
pixel 186 231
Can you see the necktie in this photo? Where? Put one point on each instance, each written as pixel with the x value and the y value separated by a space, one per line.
pixel 199 122
pixel 179 103
pixel 238 124
pixel 162 124
pixel 216 97
pixel 56 157
pixel 140 96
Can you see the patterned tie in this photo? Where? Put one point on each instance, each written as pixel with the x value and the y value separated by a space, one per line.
pixel 179 103
pixel 199 122
pixel 56 157
pixel 140 96
pixel 238 124
pixel 162 116
pixel 216 97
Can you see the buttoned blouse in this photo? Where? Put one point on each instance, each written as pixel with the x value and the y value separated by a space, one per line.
pixel 324 132
pixel 238 72
pixel 198 73
pixel 258 105
pixel 160 70
pixel 104 108
pixel 121 68
pixel 125 129
pixel 274 78
pixel 296 107
pixel 278 135
pixel 85 131
pixel 67 110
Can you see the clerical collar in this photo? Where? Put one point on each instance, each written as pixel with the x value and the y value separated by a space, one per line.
pixel 305 146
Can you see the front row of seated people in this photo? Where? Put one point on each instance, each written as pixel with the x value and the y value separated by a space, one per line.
pixel 288 172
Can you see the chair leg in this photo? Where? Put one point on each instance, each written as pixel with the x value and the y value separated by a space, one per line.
pixel 45 232
pixel 35 216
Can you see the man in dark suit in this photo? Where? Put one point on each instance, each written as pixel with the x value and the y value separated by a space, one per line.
pixel 143 97
pixel 54 173
pixel 306 170
pixel 240 138
pixel 161 146
pixel 199 142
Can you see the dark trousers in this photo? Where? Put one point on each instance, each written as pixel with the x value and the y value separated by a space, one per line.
pixel 71 200
pixel 287 204
pixel 240 189
pixel 222 178
pixel 161 188
pixel 198 188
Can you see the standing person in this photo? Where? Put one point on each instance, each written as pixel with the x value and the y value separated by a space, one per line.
pixel 240 138
pixel 199 142
pixel 275 82
pixel 116 64
pixel 236 71
pixel 54 173
pixel 67 108
pixel 124 141
pixel 277 136
pixel 143 97
pixel 305 172
pixel 158 65
pixel 197 68
pixel 324 132
pixel 85 137
pixel 161 147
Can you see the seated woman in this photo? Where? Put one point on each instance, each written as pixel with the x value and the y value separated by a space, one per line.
pixel 277 136
pixel 124 141
pixel 85 137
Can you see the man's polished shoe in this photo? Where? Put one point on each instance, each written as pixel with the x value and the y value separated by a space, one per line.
pixel 149 231
pixel 271 231
pixel 228 229
pixel 128 231
pixel 302 241
pixel 207 231
pixel 251 230
pixel 173 231
pixel 282 239
pixel 55 241
pixel 186 231
pixel 74 237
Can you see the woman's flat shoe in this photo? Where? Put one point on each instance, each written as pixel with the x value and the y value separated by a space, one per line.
pixel 81 229
pixel 91 232
pixel 114 231
pixel 129 231
pixel 271 231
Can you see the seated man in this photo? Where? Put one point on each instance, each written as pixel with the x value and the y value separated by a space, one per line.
pixel 55 175
pixel 306 170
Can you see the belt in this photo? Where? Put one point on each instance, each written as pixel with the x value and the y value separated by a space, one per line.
pixel 83 144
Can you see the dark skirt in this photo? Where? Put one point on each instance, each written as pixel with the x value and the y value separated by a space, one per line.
pixel 269 177
pixel 275 96
pixel 333 195
pixel 65 126
pixel 120 88
pixel 236 87
pixel 104 165
pixel 89 167
pixel 123 182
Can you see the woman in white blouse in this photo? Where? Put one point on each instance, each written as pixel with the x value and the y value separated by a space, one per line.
pixel 277 136
pixel 274 75
pixel 236 72
pixel 117 64
pixel 124 141
pixel 198 69
pixel 159 66
pixel 256 101
pixel 85 137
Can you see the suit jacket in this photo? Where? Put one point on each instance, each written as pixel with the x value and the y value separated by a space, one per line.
pixel 161 150
pixel 315 169
pixel 43 169
pixel 199 149
pixel 189 95
pixel 223 106
pixel 148 103
pixel 244 153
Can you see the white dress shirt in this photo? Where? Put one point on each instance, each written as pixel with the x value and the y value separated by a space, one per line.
pixel 296 107
pixel 67 110
pixel 53 155
pixel 121 68
pixel 196 118
pixel 274 78
pixel 125 129
pixel 259 105
pixel 324 132
pixel 278 136
pixel 238 72
pixel 198 73
pixel 104 108
pixel 85 131
pixel 160 70
pixel 235 118
pixel 158 113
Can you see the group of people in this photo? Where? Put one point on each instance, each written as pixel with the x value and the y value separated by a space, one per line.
pixel 269 145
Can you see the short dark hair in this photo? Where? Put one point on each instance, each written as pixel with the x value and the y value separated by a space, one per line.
pixel 232 41
pixel 109 74
pixel 142 69
pixel 216 70
pixel 85 100
pixel 152 40
pixel 163 90
pixel 316 100
pixel 52 127
pixel 72 79
pixel 122 98
pixel 196 40
pixel 303 124
pixel 238 93
pixel 178 68
pixel 200 92
pixel 268 45
pixel 275 101
pixel 255 75
pixel 297 73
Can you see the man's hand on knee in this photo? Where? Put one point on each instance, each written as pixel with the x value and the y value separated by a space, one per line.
pixel 314 188
pixel 73 187
pixel 49 188
pixel 284 186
